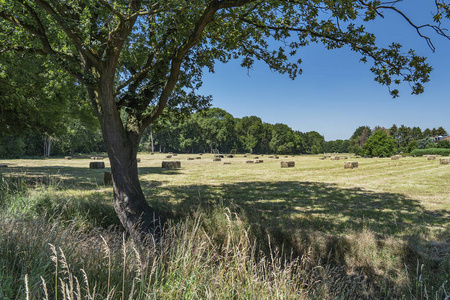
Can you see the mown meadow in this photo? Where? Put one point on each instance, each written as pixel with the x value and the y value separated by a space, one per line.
pixel 241 231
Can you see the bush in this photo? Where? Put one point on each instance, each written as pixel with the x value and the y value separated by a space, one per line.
pixel 431 151
pixel 379 144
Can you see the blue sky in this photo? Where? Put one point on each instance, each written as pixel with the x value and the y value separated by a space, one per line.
pixel 336 93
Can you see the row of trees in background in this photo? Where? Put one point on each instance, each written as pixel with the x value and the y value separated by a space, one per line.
pixel 215 129
pixel 394 140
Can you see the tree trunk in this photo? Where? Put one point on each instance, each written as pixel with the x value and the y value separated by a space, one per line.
pixel 151 137
pixel 136 216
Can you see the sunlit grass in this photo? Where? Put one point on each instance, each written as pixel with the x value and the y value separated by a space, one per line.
pixel 368 228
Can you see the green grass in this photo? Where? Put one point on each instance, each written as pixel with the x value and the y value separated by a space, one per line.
pixel 254 231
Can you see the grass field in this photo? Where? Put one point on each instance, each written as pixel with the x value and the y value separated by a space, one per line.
pixel 379 231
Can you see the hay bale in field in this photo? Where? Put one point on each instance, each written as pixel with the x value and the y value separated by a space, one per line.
pixel 276 157
pixel 256 157
pixel 174 154
pixel 200 154
pixel 323 158
pixel 396 157
pixel 107 179
pixel 198 157
pixel 287 164
pixel 245 155
pixel 248 162
pixel 350 164
pixel 152 153
pixel 431 157
pixel 227 163
pixel 68 157
pixel 270 156
pixel 230 156
pixel 259 161
pixel 444 161
pixel 168 156
pixel 176 164
pixel 335 158
pixel 217 159
pixel 96 165
pixel 190 158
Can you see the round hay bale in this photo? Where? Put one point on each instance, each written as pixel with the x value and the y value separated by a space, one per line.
pixel 96 165
pixel 270 156
pixel 227 163
pixel 335 158
pixel 191 158
pixel 245 155
pixel 217 159
pixel 395 157
pixel 200 154
pixel 176 164
pixel 198 157
pixel 168 156
pixel 431 157
pixel 152 153
pixel 248 162
pixel 230 156
pixel 107 179
pixel 259 161
pixel 350 164
pixel 288 164
pixel 276 157
pixel 444 161
pixel 256 157
pixel 174 154
pixel 68 157
pixel 323 158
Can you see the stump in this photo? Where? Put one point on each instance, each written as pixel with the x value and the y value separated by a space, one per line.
pixel 287 164
pixel 444 161
pixel 107 179
pixel 176 164
pixel 96 165
pixel 350 164
pixel 68 157
pixel 217 159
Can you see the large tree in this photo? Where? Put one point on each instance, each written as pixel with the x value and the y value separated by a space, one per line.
pixel 140 56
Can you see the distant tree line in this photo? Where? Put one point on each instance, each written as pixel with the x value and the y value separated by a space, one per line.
pixel 215 128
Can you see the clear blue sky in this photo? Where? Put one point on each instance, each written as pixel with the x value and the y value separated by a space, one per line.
pixel 336 93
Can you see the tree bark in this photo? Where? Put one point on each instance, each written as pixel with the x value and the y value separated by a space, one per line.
pixel 136 216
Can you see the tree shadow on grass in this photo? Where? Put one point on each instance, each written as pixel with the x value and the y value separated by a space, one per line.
pixel 308 205
pixel 299 214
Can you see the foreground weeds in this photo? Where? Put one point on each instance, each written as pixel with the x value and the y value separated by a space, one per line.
pixel 56 245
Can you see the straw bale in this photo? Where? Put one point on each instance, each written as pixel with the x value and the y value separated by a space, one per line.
pixel 168 156
pixel 431 157
pixel 335 158
pixel 444 161
pixel 198 157
pixel 96 165
pixel 176 164
pixel 107 179
pixel 287 164
pixel 248 162
pixel 217 159
pixel 350 164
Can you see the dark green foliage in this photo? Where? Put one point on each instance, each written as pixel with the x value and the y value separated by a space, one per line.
pixel 379 144
pixel 443 144
pixel 431 151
